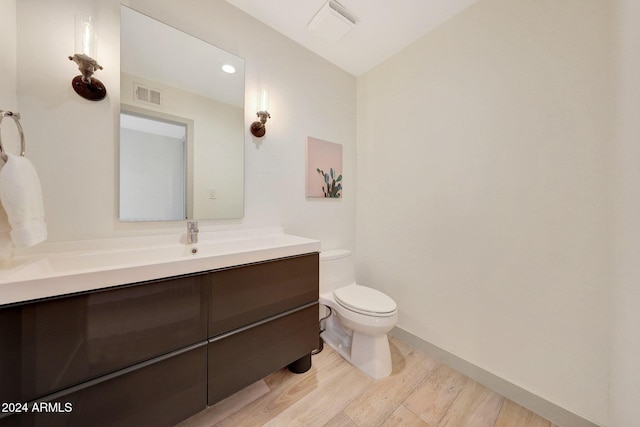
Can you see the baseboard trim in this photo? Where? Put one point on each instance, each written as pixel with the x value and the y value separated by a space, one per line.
pixel 534 403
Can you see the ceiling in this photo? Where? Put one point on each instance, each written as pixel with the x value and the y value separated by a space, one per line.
pixel 382 28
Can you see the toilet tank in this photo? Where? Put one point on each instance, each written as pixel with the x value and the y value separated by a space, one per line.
pixel 336 269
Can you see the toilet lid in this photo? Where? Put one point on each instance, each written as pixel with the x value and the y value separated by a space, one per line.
pixel 365 300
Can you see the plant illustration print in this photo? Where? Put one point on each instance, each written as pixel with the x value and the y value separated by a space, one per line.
pixel 323 156
pixel 332 188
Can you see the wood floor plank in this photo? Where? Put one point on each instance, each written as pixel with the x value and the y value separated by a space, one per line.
pixel 433 397
pixel 402 417
pixel 228 406
pixel 324 403
pixel 514 415
pixel 383 396
pixel 399 347
pixel 340 420
pixel 475 406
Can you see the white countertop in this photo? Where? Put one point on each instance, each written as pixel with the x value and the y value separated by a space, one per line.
pixel 70 267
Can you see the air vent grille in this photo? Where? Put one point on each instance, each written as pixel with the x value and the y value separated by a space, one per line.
pixel 332 22
pixel 334 5
pixel 147 95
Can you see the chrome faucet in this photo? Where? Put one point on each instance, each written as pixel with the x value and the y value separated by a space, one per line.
pixel 192 232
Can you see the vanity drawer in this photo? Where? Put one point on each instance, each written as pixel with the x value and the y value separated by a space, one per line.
pixel 243 295
pixel 160 392
pixel 54 344
pixel 240 358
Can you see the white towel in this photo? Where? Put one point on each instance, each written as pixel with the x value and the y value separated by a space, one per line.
pixel 21 197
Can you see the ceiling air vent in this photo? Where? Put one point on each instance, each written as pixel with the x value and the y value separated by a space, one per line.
pixel 147 95
pixel 332 21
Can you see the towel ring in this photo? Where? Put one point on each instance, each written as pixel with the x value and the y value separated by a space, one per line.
pixel 16 119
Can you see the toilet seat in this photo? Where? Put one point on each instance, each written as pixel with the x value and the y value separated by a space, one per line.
pixel 365 300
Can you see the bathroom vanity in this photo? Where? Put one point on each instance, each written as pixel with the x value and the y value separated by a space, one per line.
pixel 154 352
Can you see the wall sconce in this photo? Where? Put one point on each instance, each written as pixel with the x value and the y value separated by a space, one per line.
pixel 258 128
pixel 86 45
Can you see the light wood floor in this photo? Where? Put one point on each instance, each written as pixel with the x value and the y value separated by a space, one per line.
pixel 419 392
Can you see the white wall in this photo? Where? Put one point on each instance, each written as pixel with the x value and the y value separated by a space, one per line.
pixel 72 142
pixel 625 359
pixel 483 204
pixel 8 85
pixel 8 64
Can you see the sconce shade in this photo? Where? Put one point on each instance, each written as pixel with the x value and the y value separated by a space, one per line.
pixel 263 101
pixel 86 36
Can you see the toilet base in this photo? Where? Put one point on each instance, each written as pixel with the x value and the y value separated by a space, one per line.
pixel 371 354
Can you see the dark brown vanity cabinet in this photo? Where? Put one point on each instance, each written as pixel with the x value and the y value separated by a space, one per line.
pixel 243 295
pixel 262 317
pixel 160 392
pixel 155 353
pixel 54 344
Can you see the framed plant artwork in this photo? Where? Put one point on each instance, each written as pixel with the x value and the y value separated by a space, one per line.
pixel 324 169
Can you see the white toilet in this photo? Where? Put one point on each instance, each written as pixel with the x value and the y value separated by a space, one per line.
pixel 360 316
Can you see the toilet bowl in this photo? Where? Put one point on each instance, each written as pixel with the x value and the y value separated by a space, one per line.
pixel 360 316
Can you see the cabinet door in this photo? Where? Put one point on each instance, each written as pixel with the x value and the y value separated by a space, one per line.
pixel 243 295
pixel 239 359
pixel 160 393
pixel 54 344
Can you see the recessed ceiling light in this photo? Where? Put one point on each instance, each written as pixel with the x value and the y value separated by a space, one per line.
pixel 228 68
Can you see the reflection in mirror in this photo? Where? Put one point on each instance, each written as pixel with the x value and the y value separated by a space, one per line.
pixel 181 125
pixel 153 165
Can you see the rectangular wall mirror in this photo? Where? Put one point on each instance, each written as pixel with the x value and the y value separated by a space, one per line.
pixel 181 125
